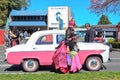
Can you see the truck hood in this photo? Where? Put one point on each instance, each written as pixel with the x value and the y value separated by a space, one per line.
pixel 92 46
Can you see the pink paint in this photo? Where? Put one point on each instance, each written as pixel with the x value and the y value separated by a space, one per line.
pixel 76 65
pixel 83 54
pixel 45 57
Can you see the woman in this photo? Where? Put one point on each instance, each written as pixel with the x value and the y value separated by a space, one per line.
pixel 99 38
pixel 73 50
pixel 70 29
pixel 14 34
pixel 59 58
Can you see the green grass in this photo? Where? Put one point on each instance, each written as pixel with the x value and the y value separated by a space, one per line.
pixel 68 76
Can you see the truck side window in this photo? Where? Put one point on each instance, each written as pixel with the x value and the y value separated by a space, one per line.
pixel 46 39
pixel 60 37
pixel 81 36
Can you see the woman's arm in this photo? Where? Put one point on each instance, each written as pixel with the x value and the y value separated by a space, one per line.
pixel 12 35
pixel 68 50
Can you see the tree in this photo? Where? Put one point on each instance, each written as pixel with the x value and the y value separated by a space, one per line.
pixel 82 26
pixel 104 20
pixel 7 5
pixel 76 26
pixel 105 6
pixel 3 11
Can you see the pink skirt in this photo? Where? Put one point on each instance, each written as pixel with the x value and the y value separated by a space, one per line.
pixel 76 65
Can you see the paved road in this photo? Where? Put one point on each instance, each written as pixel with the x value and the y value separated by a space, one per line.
pixel 113 65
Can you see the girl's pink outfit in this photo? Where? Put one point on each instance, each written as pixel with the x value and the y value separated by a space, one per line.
pixel 76 66
pixel 60 60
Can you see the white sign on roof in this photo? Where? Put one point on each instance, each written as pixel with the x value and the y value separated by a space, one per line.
pixel 58 17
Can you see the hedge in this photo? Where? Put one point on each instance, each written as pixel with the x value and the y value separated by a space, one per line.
pixel 115 44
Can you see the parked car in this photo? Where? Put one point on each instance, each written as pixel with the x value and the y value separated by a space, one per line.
pixel 40 48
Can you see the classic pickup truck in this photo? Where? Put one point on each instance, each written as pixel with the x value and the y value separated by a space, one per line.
pixel 40 48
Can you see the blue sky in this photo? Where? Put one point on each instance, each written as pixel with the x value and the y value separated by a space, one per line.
pixel 79 7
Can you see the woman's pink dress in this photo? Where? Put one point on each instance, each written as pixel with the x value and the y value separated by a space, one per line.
pixel 59 58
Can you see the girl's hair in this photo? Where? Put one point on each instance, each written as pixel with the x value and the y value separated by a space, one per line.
pixel 87 24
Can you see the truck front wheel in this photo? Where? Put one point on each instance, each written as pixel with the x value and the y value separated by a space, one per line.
pixel 93 63
pixel 30 65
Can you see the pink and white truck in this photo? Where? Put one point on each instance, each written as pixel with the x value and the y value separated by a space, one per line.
pixel 40 48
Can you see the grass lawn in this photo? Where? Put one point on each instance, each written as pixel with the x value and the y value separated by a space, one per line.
pixel 68 76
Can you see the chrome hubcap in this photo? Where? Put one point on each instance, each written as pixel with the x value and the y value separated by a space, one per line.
pixel 94 63
pixel 30 64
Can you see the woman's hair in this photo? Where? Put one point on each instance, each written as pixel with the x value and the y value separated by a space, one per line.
pixel 118 24
pixel 13 29
pixel 99 34
pixel 87 24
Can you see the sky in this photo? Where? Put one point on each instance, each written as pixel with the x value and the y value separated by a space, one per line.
pixel 79 7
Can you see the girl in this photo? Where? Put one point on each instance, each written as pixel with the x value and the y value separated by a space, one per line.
pixel 73 50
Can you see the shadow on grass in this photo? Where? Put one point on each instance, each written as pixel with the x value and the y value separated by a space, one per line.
pixel 18 68
pixel 41 68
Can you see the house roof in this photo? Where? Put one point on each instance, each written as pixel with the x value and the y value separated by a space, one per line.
pixel 28 23
pixel 105 26
pixel 28 13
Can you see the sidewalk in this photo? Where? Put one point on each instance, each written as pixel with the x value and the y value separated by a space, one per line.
pixel 114 49
pixel 2 47
pixel 2 56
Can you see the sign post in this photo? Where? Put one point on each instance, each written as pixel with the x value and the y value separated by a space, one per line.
pixel 119 36
pixel 118 32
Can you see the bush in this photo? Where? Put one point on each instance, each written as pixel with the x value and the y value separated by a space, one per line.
pixel 111 40
pixel 115 44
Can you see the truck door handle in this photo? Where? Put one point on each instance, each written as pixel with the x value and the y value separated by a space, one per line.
pixel 34 48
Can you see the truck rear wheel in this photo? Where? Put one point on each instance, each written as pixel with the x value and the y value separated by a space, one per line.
pixel 93 63
pixel 30 65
